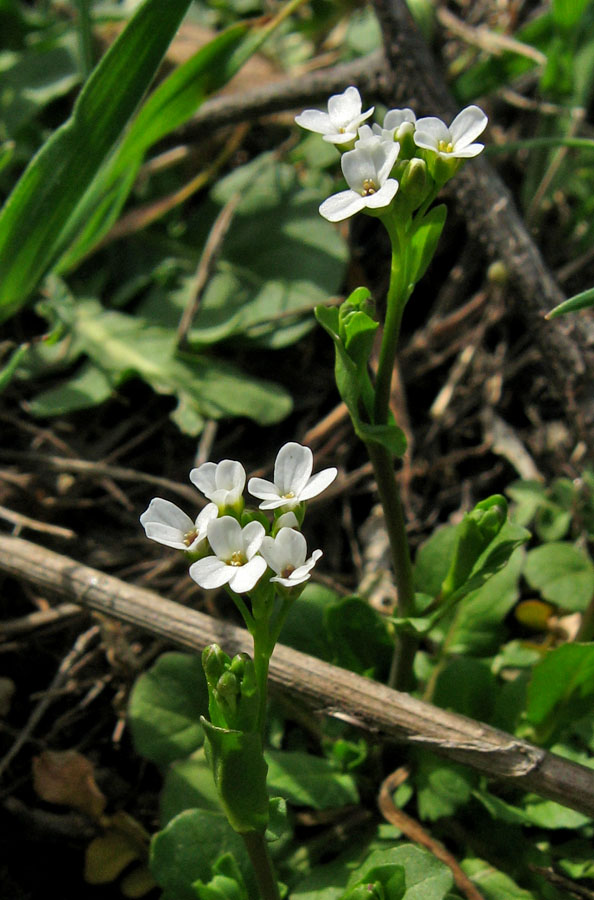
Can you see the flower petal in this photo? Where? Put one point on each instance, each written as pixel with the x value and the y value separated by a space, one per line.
pixel 394 118
pixel 384 157
pixel 315 120
pixel 262 489
pixel 251 537
pixel 467 126
pixel 342 205
pixel 245 577
pixel 230 476
pixel 466 152
pixel 384 196
pixel 343 108
pixel 292 468
pixel 204 478
pixel 224 536
pixel 166 523
pixel 430 131
pixel 272 553
pixel 293 547
pixel 358 167
pixel 211 572
pixel 319 482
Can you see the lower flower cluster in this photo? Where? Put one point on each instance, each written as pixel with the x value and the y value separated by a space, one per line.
pixel 236 546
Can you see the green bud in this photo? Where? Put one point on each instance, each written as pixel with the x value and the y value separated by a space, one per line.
pixel 475 532
pixel 226 693
pixel 441 168
pixel 214 662
pixel 405 137
pixel 414 183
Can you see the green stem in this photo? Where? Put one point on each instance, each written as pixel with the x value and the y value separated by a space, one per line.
pixel 401 672
pixel 257 849
pixel 395 304
pixel 404 652
pixel 85 37
pixel 262 652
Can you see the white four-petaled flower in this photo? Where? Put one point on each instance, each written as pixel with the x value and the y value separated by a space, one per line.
pixel 367 173
pixel 457 140
pixel 339 125
pixel 235 561
pixel 285 554
pixel 293 481
pixel 167 524
pixel 222 483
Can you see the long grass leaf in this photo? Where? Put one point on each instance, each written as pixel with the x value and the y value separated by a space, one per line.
pixel 36 221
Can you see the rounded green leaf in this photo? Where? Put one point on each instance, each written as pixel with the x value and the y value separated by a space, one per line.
pixel 165 708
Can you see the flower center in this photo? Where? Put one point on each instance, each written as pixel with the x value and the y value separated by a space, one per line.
pixel 369 187
pixel 290 495
pixel 237 559
pixel 445 147
pixel 287 571
pixel 190 537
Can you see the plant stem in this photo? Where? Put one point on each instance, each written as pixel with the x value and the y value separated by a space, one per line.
pixel 85 37
pixel 401 671
pixel 262 652
pixel 257 849
pixel 395 304
pixel 387 487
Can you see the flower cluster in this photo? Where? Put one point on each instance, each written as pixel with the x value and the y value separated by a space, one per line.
pixel 233 545
pixel 373 155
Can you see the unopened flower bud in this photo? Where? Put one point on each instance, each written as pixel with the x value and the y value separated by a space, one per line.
pixel 414 183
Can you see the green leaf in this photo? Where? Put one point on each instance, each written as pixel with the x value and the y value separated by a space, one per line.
pixel 478 628
pixel 424 239
pixel 239 773
pixel 165 708
pixel 561 689
pixel 354 386
pixel 32 79
pixel 89 386
pixel 35 223
pixel 124 346
pixel 467 686
pixel 433 560
pixel 494 885
pixel 188 785
pixel 528 496
pixel 359 638
pixel 442 787
pixel 474 535
pixel 306 780
pixel 426 878
pixel 258 294
pixel 185 849
pixel 563 573
pixel 171 104
pixel 304 627
pixel 8 370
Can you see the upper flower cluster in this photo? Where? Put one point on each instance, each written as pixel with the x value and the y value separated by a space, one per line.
pixel 372 155
pixel 233 544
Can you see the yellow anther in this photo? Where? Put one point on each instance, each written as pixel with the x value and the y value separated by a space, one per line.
pixel 190 537
pixel 445 147
pixel 369 187
pixel 237 559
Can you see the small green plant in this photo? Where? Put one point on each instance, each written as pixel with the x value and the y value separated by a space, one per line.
pixel 225 797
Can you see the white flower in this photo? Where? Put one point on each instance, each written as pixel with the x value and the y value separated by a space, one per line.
pixel 339 125
pixel 285 554
pixel 168 524
pixel 366 171
pixel 369 138
pixel 223 482
pixel 287 520
pixel 457 140
pixel 235 562
pixel 293 481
